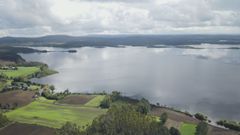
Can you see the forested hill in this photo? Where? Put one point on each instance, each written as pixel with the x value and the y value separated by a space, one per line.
pixel 115 40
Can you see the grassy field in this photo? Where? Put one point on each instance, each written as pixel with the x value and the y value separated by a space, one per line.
pixel 45 112
pixel 22 71
pixel 95 102
pixel 187 129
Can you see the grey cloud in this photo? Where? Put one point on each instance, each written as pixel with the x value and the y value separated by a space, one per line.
pixel 21 17
pixel 25 14
pixel 225 4
pixel 124 1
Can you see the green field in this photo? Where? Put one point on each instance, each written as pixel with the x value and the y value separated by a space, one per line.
pixel 20 72
pixel 45 112
pixel 187 129
pixel 95 102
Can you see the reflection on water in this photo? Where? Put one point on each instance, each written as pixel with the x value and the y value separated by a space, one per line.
pixel 198 80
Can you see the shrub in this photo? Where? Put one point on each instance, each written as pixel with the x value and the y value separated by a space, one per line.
pixel 3 120
pixel 69 129
pixel 57 96
pixel 115 96
pixel 106 102
pixel 163 118
pixel 229 124
pixel 202 129
pixel 174 131
pixel 201 117
pixel 143 106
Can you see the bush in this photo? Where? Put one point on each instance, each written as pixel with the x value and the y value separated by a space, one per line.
pixel 202 129
pixel 174 131
pixel 115 96
pixel 106 102
pixel 143 106
pixel 3 120
pixel 69 129
pixel 201 117
pixel 57 96
pixel 229 124
pixel 163 118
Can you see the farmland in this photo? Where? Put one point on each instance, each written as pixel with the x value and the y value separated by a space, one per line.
pixel 26 129
pixel 20 72
pixel 95 102
pixel 45 112
pixel 18 97
pixel 77 99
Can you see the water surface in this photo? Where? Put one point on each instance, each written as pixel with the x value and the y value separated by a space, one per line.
pixel 198 80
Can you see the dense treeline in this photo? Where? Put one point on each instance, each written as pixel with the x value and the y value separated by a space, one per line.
pixel 120 120
pixel 124 117
pixel 229 124
pixel 142 106
pixel 10 53
pixel 201 117
pixel 124 120
pixel 49 94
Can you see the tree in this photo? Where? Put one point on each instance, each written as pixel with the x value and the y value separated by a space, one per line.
pixel 200 116
pixel 125 120
pixel 115 96
pixel 163 118
pixel 69 129
pixel 143 106
pixel 106 102
pixel 202 129
pixel 66 92
pixel 229 124
pixel 174 131
pixel 52 88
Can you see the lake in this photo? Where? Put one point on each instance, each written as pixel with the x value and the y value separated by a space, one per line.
pixel 197 80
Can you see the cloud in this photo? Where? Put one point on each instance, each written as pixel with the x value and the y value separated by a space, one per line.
pixel 78 17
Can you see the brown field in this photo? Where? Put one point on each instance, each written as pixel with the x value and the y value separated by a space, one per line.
pixel 18 97
pixel 171 123
pixel 4 62
pixel 76 99
pixel 26 129
pixel 175 116
pixel 219 131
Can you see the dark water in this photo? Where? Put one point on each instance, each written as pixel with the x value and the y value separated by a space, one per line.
pixel 198 80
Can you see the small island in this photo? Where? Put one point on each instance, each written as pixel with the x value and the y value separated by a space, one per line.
pixel 72 51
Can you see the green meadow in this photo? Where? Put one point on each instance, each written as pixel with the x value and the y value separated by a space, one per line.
pixel 20 72
pixel 187 129
pixel 95 102
pixel 45 112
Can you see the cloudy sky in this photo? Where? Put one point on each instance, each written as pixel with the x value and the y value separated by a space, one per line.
pixel 81 17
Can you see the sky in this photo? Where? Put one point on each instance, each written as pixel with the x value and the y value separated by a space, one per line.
pixel 84 17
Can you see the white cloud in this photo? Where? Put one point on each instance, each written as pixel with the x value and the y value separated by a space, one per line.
pixel 206 53
pixel 77 17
